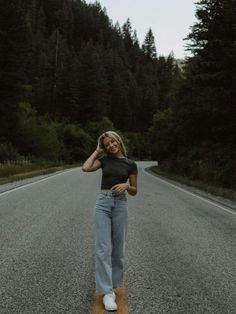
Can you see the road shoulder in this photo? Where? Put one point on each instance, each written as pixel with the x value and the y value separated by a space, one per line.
pixel 217 199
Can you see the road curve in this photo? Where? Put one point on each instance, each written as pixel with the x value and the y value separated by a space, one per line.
pixel 180 253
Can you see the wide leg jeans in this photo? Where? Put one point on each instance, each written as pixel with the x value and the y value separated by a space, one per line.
pixel 111 216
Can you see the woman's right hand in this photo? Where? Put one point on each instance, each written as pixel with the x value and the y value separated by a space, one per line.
pixel 99 150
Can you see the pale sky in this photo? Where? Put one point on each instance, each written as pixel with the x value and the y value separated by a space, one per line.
pixel 170 21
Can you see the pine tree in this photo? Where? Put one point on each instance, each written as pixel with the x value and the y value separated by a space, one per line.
pixel 148 46
pixel 166 71
pixel 65 60
pixel 93 83
pixel 205 110
pixel 13 63
pixel 127 32
pixel 213 69
pixel 120 110
pixel 68 91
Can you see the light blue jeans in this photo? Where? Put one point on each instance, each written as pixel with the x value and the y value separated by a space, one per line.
pixel 111 216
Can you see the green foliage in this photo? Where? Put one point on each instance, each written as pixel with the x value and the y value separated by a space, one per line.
pixel 196 135
pixel 24 168
pixel 12 167
pixel 162 135
pixel 67 74
pixel 92 77
pixel 37 135
pixel 120 111
pixel 14 56
pixel 96 128
pixel 149 47
pixel 48 140
pixel 213 69
pixel 79 67
pixel 48 146
pixel 77 143
pixel 7 152
pixel 139 145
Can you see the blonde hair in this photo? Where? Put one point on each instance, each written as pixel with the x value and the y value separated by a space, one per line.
pixel 113 135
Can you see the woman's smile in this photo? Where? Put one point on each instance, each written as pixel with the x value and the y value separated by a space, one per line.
pixel 110 145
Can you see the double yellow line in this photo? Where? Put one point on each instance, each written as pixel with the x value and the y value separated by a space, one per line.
pixel 121 301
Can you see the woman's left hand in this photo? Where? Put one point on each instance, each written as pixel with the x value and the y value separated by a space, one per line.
pixel 121 187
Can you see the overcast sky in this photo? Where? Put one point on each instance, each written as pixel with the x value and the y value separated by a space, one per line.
pixel 170 20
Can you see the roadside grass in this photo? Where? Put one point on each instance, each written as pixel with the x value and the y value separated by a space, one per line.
pixel 14 171
pixel 229 194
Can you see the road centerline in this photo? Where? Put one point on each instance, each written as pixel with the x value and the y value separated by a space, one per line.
pixel 121 300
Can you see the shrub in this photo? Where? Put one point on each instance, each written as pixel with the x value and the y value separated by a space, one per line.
pixel 138 145
pixel 77 143
pixel 96 128
pixel 7 152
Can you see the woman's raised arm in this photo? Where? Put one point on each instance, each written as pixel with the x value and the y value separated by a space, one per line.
pixel 92 164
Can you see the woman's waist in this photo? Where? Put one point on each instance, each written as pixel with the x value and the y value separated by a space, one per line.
pixel 111 193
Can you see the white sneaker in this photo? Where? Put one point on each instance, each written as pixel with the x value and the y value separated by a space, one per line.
pixel 109 301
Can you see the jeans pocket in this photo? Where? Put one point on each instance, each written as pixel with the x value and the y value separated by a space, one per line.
pixel 101 199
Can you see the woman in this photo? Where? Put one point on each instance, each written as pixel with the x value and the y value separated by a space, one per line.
pixel 119 174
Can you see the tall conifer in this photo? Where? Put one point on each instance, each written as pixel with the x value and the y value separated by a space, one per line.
pixel 149 47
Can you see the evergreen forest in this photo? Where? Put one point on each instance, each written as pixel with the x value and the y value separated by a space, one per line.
pixel 67 73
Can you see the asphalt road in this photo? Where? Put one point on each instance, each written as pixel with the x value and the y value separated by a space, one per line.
pixel 180 254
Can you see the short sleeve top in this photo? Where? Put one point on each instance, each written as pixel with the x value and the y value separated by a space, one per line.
pixel 116 170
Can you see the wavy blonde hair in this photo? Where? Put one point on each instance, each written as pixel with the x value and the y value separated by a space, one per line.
pixel 113 135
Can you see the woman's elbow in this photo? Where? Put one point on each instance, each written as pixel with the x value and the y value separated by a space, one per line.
pixel 85 169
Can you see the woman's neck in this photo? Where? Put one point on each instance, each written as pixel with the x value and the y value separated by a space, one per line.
pixel 117 155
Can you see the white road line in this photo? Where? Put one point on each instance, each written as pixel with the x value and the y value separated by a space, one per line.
pixel 35 182
pixel 190 193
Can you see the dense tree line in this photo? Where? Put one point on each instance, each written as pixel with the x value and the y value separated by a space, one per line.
pixel 196 134
pixel 67 73
pixel 63 61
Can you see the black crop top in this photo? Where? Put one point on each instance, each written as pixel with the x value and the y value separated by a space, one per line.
pixel 116 170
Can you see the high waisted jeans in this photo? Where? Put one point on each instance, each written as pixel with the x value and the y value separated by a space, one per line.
pixel 111 215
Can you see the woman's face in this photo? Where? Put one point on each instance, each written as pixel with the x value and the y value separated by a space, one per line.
pixel 111 145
